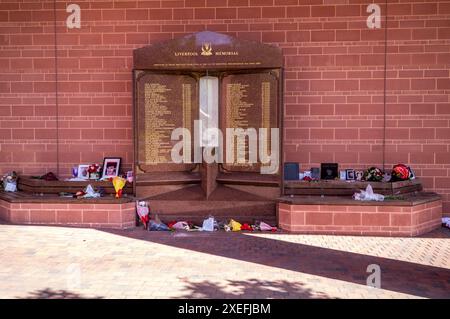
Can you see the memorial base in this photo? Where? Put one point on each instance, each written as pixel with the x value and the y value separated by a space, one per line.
pixel 225 203
pixel 413 216
pixel 25 208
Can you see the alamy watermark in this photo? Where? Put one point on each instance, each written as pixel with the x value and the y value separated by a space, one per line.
pixel 241 146
pixel 374 279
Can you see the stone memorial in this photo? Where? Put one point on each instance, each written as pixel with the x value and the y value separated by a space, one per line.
pixel 207 83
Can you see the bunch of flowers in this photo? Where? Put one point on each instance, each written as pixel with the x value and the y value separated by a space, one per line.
pixel 119 184
pixel 94 171
pixel 373 174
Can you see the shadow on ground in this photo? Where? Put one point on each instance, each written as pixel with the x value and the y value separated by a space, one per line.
pixel 250 289
pixel 396 275
pixel 49 293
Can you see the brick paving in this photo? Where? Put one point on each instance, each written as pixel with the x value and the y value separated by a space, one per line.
pixel 58 262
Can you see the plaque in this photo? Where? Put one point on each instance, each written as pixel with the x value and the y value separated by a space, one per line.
pixel 164 102
pixel 249 102
pixel 207 51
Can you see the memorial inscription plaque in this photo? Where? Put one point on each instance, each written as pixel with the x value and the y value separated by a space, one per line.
pixel 165 102
pixel 249 101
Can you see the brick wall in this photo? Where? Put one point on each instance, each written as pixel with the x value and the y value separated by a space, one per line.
pixel 118 216
pixel 370 220
pixel 333 90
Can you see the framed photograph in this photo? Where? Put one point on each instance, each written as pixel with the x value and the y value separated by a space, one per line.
pixel 83 171
pixel 111 167
pixel 329 171
pixel 359 175
pixel 350 174
pixel 315 173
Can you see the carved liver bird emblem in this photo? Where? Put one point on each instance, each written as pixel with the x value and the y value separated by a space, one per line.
pixel 206 49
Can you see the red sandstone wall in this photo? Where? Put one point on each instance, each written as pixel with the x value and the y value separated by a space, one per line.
pixel 118 216
pixel 361 220
pixel 333 90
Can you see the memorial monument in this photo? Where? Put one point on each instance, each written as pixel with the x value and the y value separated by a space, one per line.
pixel 193 96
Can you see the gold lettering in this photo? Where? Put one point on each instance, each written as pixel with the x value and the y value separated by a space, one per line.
pixel 227 53
pixel 186 54
pixel 157 126
pixel 238 111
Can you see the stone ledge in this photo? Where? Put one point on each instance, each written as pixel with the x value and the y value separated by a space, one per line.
pixel 27 197
pixel 408 200
pixel 33 185
pixel 349 217
pixel 96 213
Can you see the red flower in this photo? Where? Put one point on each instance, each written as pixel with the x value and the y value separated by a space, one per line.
pixel 93 168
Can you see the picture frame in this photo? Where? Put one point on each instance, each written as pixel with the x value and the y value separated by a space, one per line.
pixel 412 174
pixel 359 175
pixel 111 167
pixel 350 174
pixel 291 171
pixel 315 173
pixel 329 171
pixel 83 171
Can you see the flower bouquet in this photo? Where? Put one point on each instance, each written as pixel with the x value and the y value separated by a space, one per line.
pixel 94 171
pixel 373 174
pixel 119 184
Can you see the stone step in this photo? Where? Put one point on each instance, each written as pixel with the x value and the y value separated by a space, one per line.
pixel 196 211
pixel 224 203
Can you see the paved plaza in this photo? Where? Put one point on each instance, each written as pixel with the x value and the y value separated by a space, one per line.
pixel 62 262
